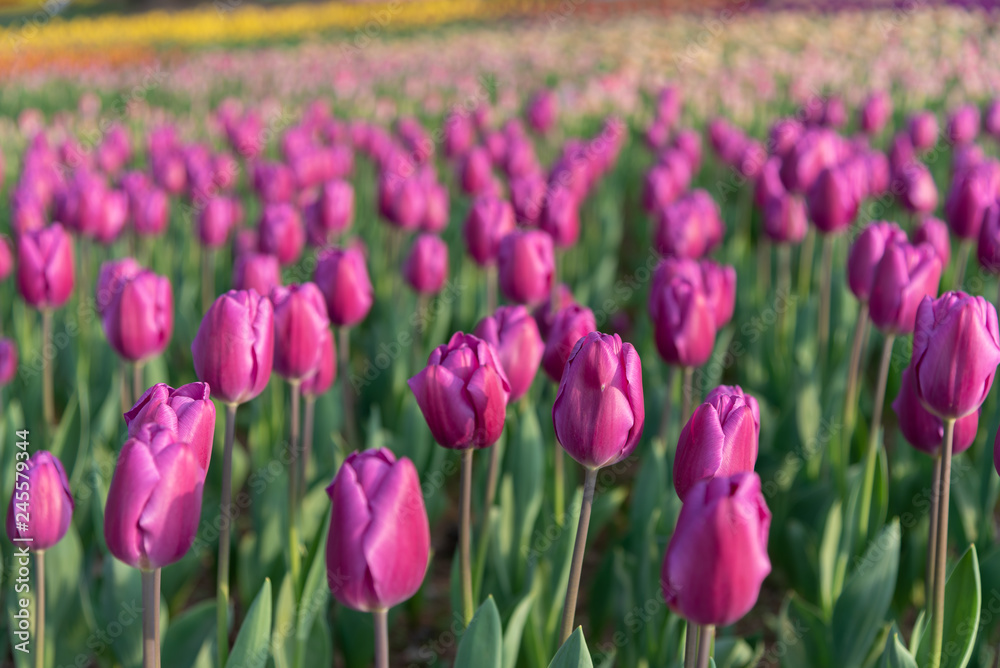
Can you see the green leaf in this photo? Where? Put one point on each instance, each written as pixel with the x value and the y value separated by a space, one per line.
pixel 515 629
pixel 187 637
pixel 573 653
pixel 896 655
pixel 284 620
pixel 482 643
pixel 861 609
pixel 962 601
pixel 253 641
pixel 316 590
pixel 804 634
pixel 829 548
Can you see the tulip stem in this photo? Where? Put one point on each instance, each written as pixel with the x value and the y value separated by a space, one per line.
pixel 688 395
pixel 123 384
pixel 860 338
pixel 40 607
pixel 667 401
pixel 940 561
pixel 156 613
pixel 207 278
pixel 465 503
pixel 806 254
pixel 690 645
pixel 963 259
pixel 344 351
pixel 137 379
pixel 222 591
pixel 871 453
pixel 293 484
pixel 559 473
pixel 705 636
pixel 381 638
pixel 48 399
pixel 491 482
pixel 784 287
pixel 491 290
pixel 932 534
pixel 826 276
pixel 307 439
pixel 150 602
pixel 573 586
pixel 763 264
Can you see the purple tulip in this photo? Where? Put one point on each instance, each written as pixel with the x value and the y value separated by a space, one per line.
pixel 527 195
pixel 409 204
pixel 187 411
pixel 426 267
pixel 924 430
pixel 217 219
pixel 988 248
pixel 6 258
pixel 282 233
pixel 683 321
pixel 904 276
pixel 991 118
pixel 475 171
pixel 545 313
pixel 814 150
pixel 300 323
pixel 274 182
pixel 342 275
pixel 490 219
pixel 935 233
pixel 666 181
pixel 256 271
pixel 514 336
pixel 717 282
pixel 865 254
pixel 8 361
pixel 598 413
pixel 963 125
pixel 335 207
pixel 875 112
pixel 541 111
pixel 114 213
pixel 234 348
pixel 459 134
pixel 463 393
pixel 113 275
pixel 918 192
pixel 688 142
pixel 832 200
pixel 139 321
pixel 971 193
pixel 436 212
pixel 783 135
pixel 720 439
pixel 560 216
pixel 379 543
pixel 956 349
pixel 150 211
pixel 569 325
pixel 785 219
pixel 923 129
pixel 717 557
pixel 737 391
pixel 326 373
pixel 154 502
pixel 526 266
pixel 45 267
pixel 41 495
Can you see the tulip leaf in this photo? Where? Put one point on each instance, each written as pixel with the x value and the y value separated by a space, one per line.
pixel 562 561
pixel 316 589
pixel 254 639
pixel 515 630
pixel 573 653
pixel 919 627
pixel 861 609
pixel 829 550
pixel 189 640
pixel 526 461
pixel 121 592
pixel 482 643
pixel 284 619
pixel 896 655
pixel 804 635
pixel 962 601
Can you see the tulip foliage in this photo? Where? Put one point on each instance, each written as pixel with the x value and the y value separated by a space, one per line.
pixel 567 367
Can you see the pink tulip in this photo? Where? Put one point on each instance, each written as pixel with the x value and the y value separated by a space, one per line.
pixel 45 267
pixel 560 216
pixel 904 276
pixel 150 211
pixel 217 219
pixel 436 211
pixel 923 129
pixel 490 219
pixel 256 271
pixel 865 254
pixel 187 411
pixel 935 233
pixel 569 325
pixel 41 495
pixel 541 111
pixel 785 219
pixel 6 258
pixel 526 266
pixel 139 321
pixel 282 233
pixel 321 381
pixel 832 200
pixel 924 430
pixel 342 275
pixel 300 324
pixel 875 112
pixel 8 361
pixel 514 336
pixel 683 321
pixel 426 267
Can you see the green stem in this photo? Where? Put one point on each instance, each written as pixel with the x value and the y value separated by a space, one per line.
pixel 690 645
pixel 576 568
pixel 784 289
pixel 222 587
pixel 491 289
pixel 871 453
pixel 826 277
pixel 667 401
pixel 687 396
pixel 963 259
pixel 156 614
pixel 137 380
pixel 705 636
pixel 806 253
pixel 559 472
pixel 381 638
pixel 344 351
pixel 940 561
pixel 149 605
pixel 932 534
pixel 123 383
pixel 465 503
pixel 860 338
pixel 307 441
pixel 40 619
pixel 207 278
pixel 293 488
pixel 48 398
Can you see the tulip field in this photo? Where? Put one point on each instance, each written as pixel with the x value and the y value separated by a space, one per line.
pixel 500 335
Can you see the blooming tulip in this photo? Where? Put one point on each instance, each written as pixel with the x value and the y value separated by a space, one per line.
pixel 8 361
pixel 569 325
pixel 832 200
pixel 490 219
pixel 282 233
pixel 717 557
pixel 904 276
pixel 256 271
pixel 785 219
pixel 526 266
pixel 683 321
pixel 924 430
pixel 321 381
pixel 514 336
pixel 865 254
pixel 560 216
pixel 923 129
pixel 300 324
pixel 234 348
pixel 342 275
pixel 188 411
pixel 139 321
pixel 42 497
pixel 426 267
pixel 218 217
pixel 45 267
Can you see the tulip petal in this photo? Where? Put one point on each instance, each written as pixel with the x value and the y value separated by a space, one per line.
pixel 452 421
pixel 347 574
pixel 169 520
pixel 136 475
pixel 489 401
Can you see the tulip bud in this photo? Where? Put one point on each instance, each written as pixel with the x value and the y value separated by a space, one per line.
pixel 935 233
pixel 282 233
pixel 865 254
pixel 666 181
pixel 113 275
pixel 408 205
pixel 45 267
pixel 437 210
pixel 527 195
pixel 490 220
pixel 150 212
pixel 8 361
pixel 300 323
pixel 139 321
pixel 717 282
pixel 785 219
pixel 991 118
pixel 971 193
pixel 379 541
pixel 6 258
pixel 154 502
pixel 904 276
pixel 956 349
pixel 114 213
pixel 717 557
pixel 274 182
pixel 526 266
pixel 924 430
pixel 720 439
pixel 41 506
pixel 541 111
pixel 875 112
pixel 545 313
pixel 569 325
pixel 463 393
pixel 426 267
pixel 963 125
pixel 215 221
pixel 342 275
pixel 187 411
pixel 560 216
pixel 256 271
pixel 514 336
pixel 599 413
pixel 923 128
pixel 690 227
pixel 475 171
pixel 988 249
pixel 234 348
pixel 832 200
pixel 326 373
pixel 683 321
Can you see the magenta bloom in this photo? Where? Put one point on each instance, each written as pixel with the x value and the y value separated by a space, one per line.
pixel 150 212
pixel 426 267
pixel 342 275
pixel 526 266
pixel 45 267
pixel 8 361
pixel 904 276
pixel 187 411
pixel 154 502
pixel 923 128
pixel 335 207
pixel 300 324
pixel 437 209
pixel 545 313
pixel 463 393
pixel 865 254
pixel 514 336
pixel 139 321
pixel 43 499
pixel 935 233
pixel 114 213
pixel 918 193
pixel 963 125
pixel 971 193
pixel 717 557
pixel 666 181
pixel 476 171
pixel 217 219
pixel 379 543
pixel 683 321
pixel 719 439
pixel 690 227
pixel 113 275
pixel 988 249
pixel 956 349
pixel 6 258
pixel 234 348
pixel 541 111
pixel 527 195
pixel 256 271
pixel 282 233
pixel 717 282
pixel 490 219
pixel 560 216
pixel 875 112
pixel 924 430
pixel 326 373
pixel 785 219
pixel 598 413
pixel 832 200
pixel 408 205
pixel 570 324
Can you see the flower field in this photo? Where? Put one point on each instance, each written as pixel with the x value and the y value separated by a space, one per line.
pixel 498 335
